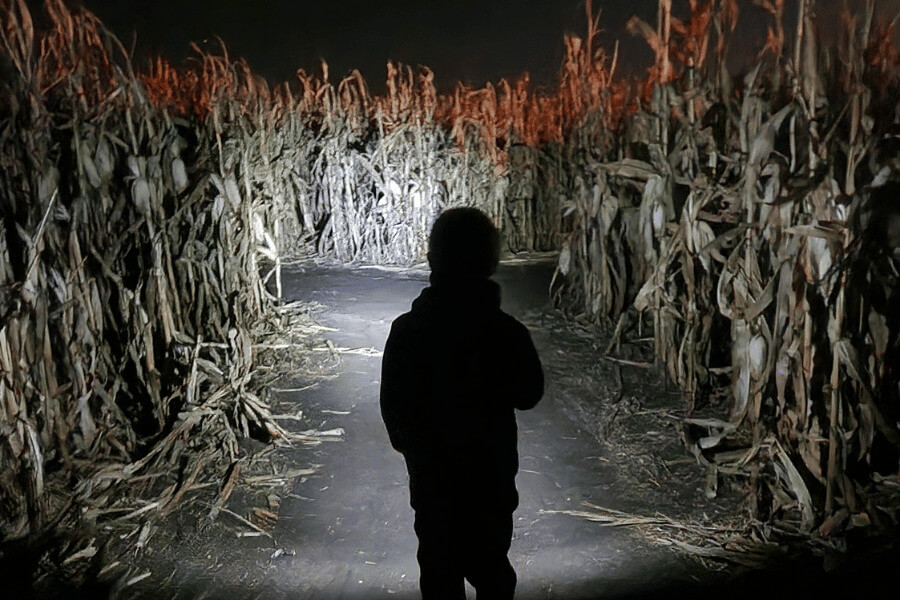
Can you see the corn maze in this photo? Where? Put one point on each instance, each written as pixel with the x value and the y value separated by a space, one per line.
pixel 750 223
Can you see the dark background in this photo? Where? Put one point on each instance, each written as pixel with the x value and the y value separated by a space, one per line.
pixel 472 41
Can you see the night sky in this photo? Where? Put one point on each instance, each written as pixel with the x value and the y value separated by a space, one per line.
pixel 461 40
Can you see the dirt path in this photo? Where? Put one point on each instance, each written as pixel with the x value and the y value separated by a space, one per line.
pixel 604 433
pixel 351 524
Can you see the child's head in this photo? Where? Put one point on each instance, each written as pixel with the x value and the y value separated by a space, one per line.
pixel 464 244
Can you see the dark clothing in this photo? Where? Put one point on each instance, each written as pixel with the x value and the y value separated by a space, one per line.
pixel 455 368
pixel 459 545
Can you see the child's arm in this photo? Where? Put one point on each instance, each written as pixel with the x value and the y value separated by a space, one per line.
pixel 526 373
pixel 397 389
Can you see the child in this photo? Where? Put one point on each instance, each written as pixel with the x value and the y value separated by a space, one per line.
pixel 455 368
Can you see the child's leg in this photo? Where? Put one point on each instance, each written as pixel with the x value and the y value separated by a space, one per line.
pixel 440 571
pixel 488 567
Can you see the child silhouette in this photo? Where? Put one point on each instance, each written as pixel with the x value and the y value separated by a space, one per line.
pixel 455 368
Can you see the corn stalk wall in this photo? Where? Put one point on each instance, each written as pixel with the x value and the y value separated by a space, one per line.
pixel 367 189
pixel 360 177
pixel 131 301
pixel 756 228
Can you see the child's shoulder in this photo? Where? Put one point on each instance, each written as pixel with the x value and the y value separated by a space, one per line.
pixel 510 321
pixel 402 322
